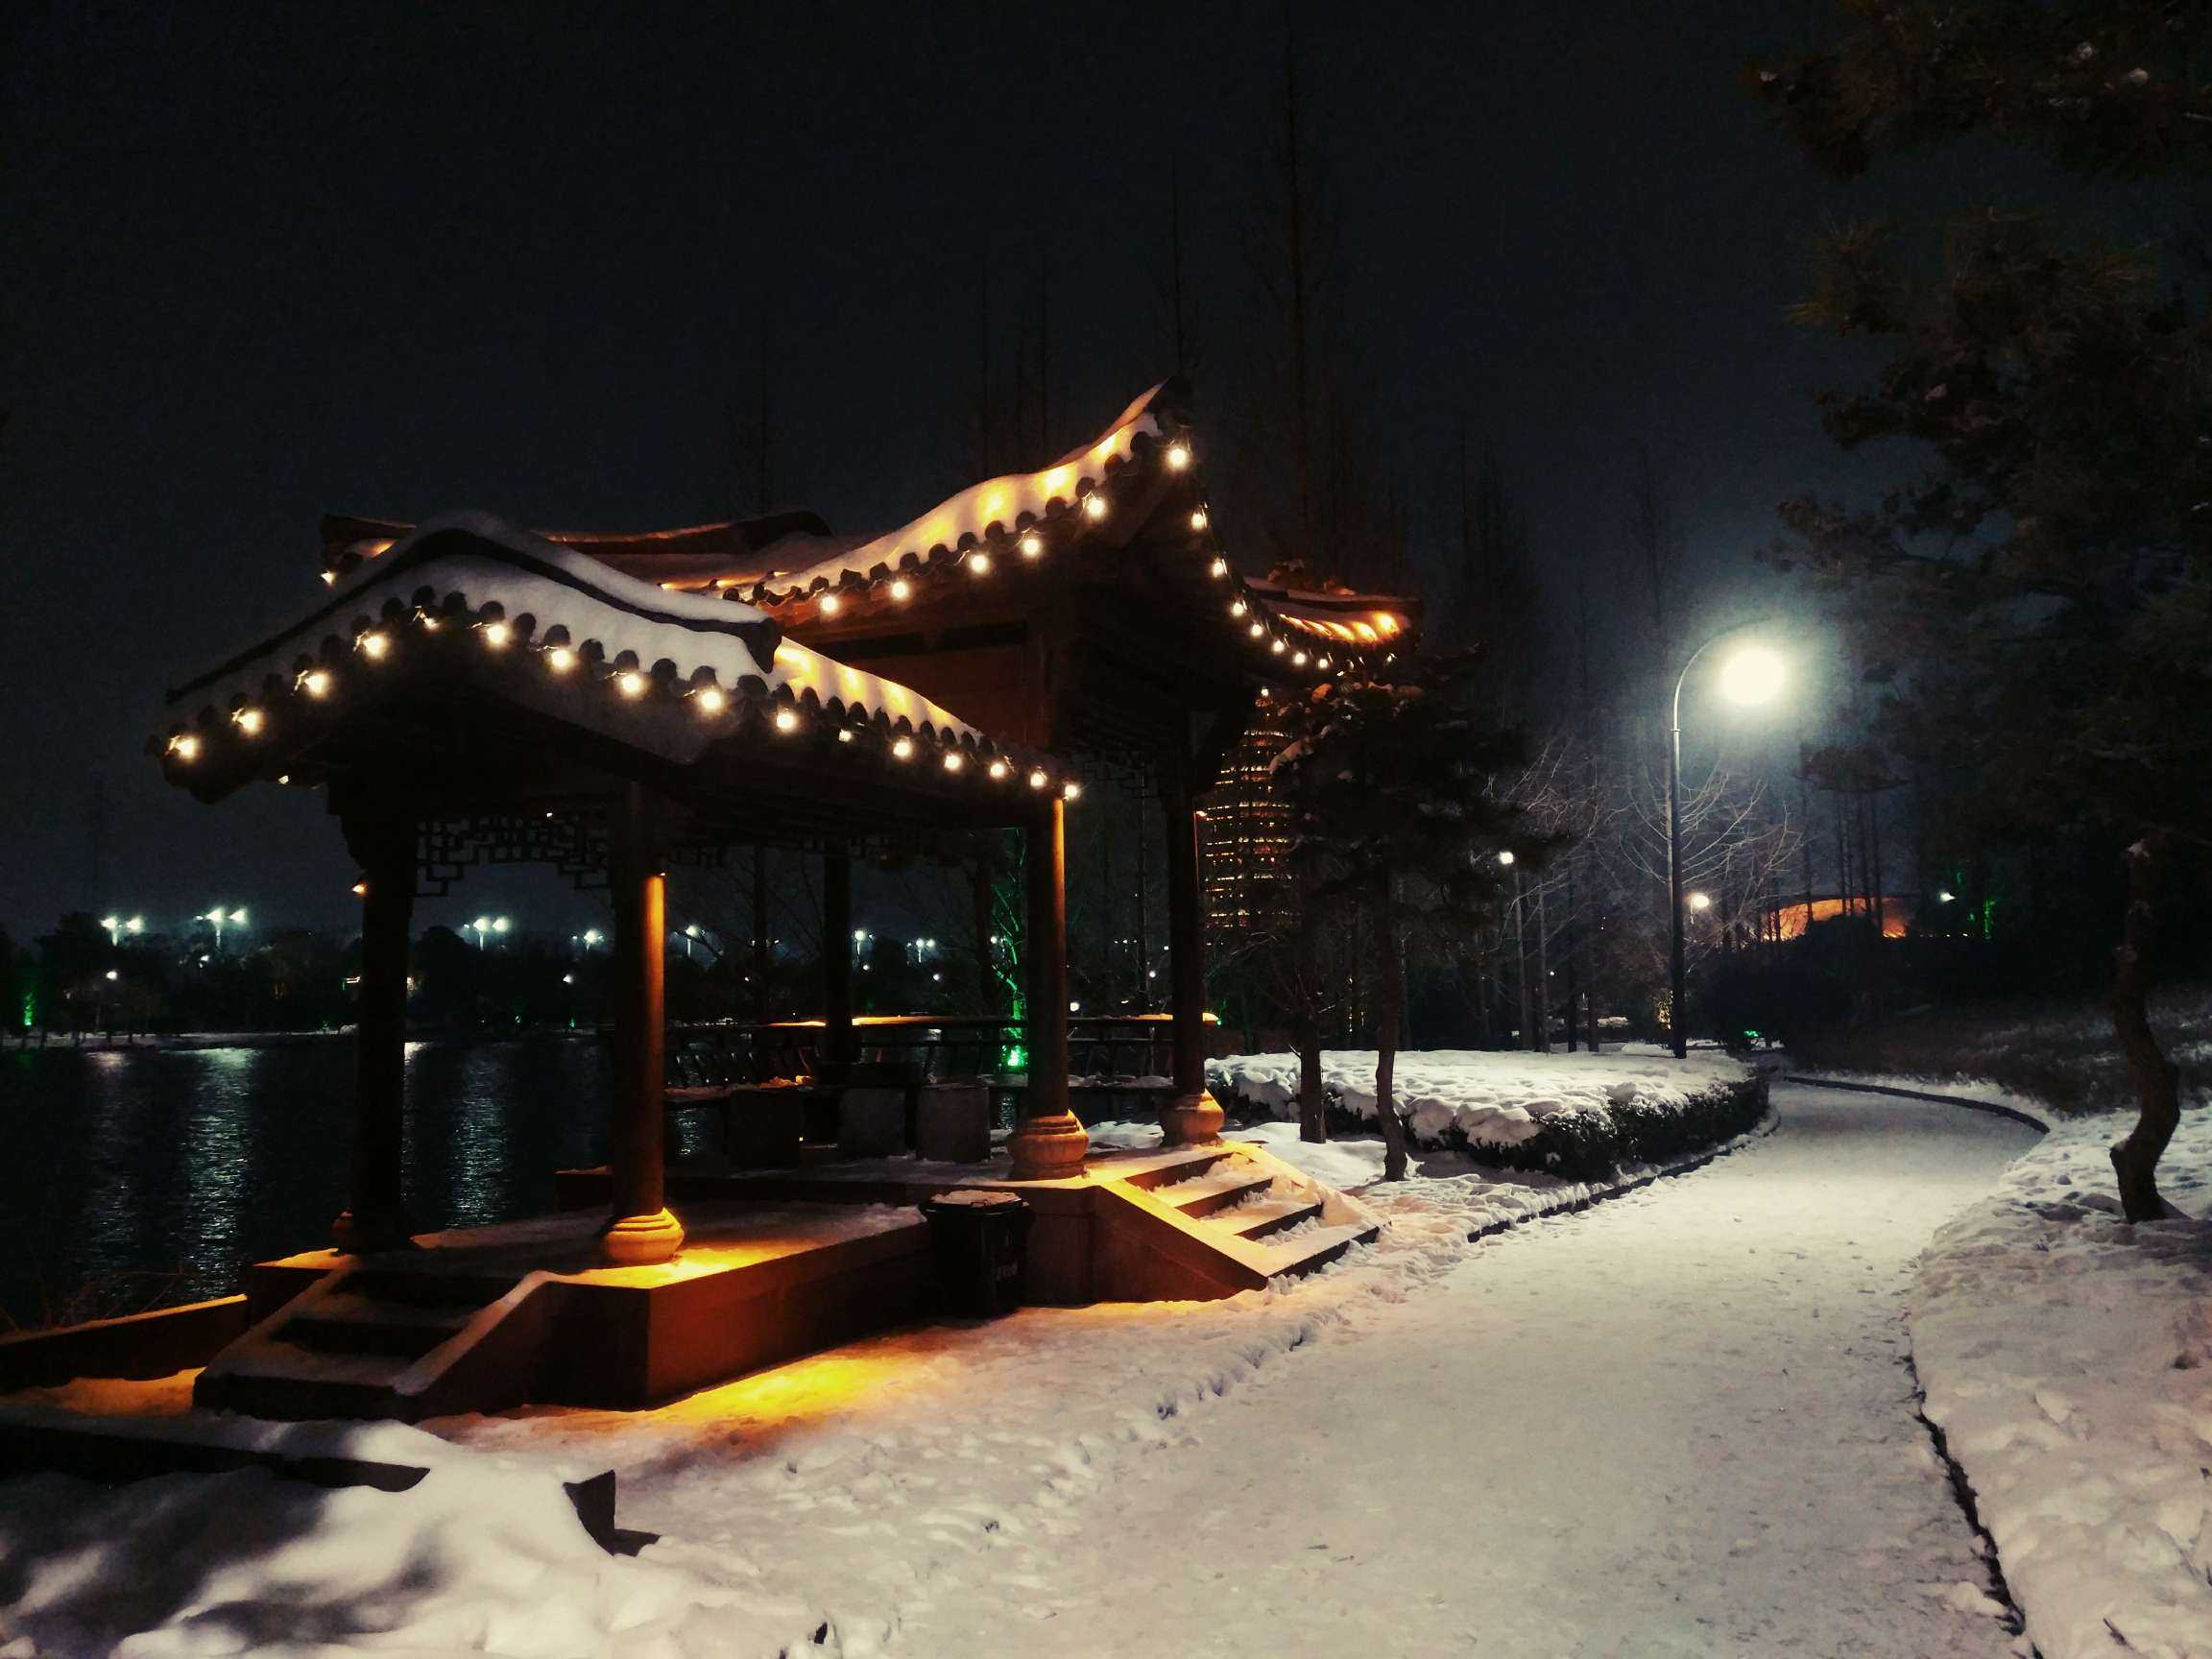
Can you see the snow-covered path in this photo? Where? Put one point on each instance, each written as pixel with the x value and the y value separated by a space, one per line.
pixel 1678 1424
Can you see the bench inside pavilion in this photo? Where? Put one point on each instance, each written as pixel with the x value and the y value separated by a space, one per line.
pixel 469 690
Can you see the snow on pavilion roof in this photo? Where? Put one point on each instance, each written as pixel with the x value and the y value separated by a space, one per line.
pixel 554 610
pixel 790 566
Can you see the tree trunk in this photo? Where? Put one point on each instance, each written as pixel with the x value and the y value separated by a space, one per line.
pixel 2156 1078
pixel 1389 1000
pixel 1308 975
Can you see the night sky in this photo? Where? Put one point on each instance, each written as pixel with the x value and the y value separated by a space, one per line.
pixel 265 262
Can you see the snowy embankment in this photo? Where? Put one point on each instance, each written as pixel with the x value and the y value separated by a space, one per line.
pixel 807 1509
pixel 1577 1114
pixel 2067 1358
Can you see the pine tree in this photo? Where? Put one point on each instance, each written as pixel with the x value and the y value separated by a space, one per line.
pixel 1392 780
pixel 2036 600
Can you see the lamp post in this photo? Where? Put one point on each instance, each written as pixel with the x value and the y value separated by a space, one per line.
pixel 484 926
pixel 1752 674
pixel 218 916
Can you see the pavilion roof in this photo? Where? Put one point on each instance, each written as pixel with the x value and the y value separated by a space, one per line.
pixel 671 675
pixel 1140 479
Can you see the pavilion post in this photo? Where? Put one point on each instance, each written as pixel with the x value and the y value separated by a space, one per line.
pixel 836 959
pixel 1050 1141
pixel 375 1216
pixel 639 1228
pixel 1191 1117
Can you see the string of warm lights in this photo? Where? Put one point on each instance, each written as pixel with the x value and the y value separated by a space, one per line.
pixel 377 646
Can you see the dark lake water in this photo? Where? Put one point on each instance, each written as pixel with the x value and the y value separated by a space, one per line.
pixel 192 1163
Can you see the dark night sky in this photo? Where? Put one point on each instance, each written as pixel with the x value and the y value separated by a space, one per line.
pixel 264 262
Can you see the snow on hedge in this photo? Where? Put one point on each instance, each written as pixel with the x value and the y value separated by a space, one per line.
pixel 1498 1099
pixel 2065 1356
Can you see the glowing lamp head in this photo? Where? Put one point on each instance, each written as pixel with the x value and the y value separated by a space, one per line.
pixel 1753 674
pixel 1238 606
pixel 844 734
pixel 251 721
pixel 829 605
pixel 496 634
pixel 1218 568
pixel 630 682
pixel 980 564
pixel 1298 660
pixel 239 915
pixel 954 760
pixel 184 746
pixel 1699 901
pixel 999 769
pixel 902 590
pixel 1032 544
pixel 374 644
pixel 1094 506
pixel 1198 518
pixel 786 719
pixel 712 699
pixel 1038 779
pixel 1070 789
pixel 903 750
pixel 1258 629
pixel 560 659
pixel 1178 456
pixel 1277 646
pixel 1945 896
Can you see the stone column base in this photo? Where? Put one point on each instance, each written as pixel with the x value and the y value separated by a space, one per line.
pixel 368 1232
pixel 639 1240
pixel 1048 1149
pixel 1190 1121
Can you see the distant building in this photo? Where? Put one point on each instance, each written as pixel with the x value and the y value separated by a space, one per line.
pixel 1789 918
pixel 1245 831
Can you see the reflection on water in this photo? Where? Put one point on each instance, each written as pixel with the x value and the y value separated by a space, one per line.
pixel 195 1162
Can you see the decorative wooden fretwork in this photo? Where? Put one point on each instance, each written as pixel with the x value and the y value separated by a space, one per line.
pixel 575 843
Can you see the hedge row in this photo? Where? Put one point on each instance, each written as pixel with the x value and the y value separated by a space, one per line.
pixel 1592 1145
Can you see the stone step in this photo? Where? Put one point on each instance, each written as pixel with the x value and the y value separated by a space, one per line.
pixel 266 1377
pixel 427 1289
pixel 1175 1168
pixel 1293 1254
pixel 1219 1187
pixel 345 1322
pixel 1261 1216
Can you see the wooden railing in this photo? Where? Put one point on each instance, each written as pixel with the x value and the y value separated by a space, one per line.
pixel 934 1048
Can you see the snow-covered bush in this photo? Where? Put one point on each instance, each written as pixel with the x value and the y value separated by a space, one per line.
pixel 1577 1116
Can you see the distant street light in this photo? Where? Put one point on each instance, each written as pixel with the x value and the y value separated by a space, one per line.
pixel 485 926
pixel 1507 858
pixel 1945 896
pixel 1751 674
pixel 1701 901
pixel 219 916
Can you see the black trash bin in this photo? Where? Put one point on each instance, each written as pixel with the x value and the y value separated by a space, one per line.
pixel 980 1238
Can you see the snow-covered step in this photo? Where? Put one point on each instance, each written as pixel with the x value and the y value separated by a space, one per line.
pixel 1220 1186
pixel 1303 1249
pixel 345 1322
pixel 1261 1216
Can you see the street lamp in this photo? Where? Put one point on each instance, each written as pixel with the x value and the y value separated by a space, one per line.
pixel 1751 674
pixel 485 926
pixel 1701 901
pixel 218 916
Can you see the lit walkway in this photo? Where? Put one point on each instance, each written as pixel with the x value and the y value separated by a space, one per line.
pixel 1679 1424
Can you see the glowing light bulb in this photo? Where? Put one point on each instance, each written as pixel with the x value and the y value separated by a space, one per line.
pixel 496 634
pixel 954 760
pixel 316 682
pixel 1178 456
pixel 844 734
pixel 330 578
pixel 902 590
pixel 903 750
pixel 184 746
pixel 1298 660
pixel 1218 568
pixel 1506 858
pixel 712 699
pixel 560 659
pixel 1238 606
pixel 251 721
pixel 999 769
pixel 1198 518
pixel 1038 779
pixel 1095 505
pixel 1277 646
pixel 980 564
pixel 1070 789
pixel 1032 544
pixel 829 605
pixel 374 644
pixel 1701 901
pixel 786 719
pixel 630 684
pixel 1258 629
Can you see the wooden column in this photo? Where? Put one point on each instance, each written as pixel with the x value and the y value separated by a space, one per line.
pixel 1050 1141
pixel 836 961
pixel 639 1228
pixel 375 1216
pixel 1191 1117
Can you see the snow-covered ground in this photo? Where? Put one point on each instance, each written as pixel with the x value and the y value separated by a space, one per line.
pixel 2067 1357
pixel 1675 1425
pixel 1501 1099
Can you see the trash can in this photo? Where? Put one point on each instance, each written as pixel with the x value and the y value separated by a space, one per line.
pixel 980 1238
